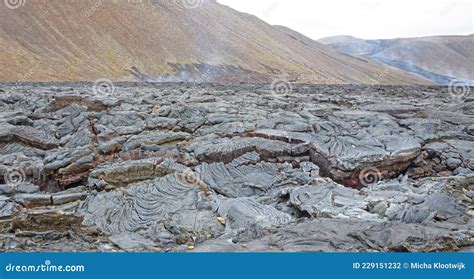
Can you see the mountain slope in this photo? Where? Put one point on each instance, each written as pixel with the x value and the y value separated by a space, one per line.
pixel 439 58
pixel 160 40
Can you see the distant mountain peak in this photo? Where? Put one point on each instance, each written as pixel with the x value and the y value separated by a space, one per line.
pixel 442 59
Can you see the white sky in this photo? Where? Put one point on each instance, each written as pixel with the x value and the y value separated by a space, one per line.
pixel 367 19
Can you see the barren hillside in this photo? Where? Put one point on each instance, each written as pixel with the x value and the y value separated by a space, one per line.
pixel 165 41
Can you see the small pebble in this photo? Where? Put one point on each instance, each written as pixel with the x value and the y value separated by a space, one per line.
pixel 221 220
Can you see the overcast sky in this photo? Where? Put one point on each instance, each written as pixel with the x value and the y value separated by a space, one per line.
pixel 367 19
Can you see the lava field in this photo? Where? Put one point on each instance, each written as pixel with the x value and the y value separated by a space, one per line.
pixel 237 167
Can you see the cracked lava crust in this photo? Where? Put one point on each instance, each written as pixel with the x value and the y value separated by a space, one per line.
pixel 179 167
